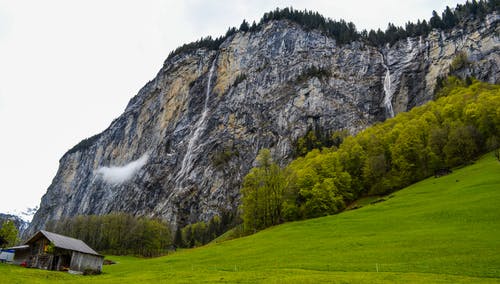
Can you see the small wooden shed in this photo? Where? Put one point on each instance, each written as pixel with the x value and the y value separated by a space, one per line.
pixel 52 251
pixel 20 254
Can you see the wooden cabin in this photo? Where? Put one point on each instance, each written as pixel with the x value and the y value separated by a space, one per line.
pixel 51 251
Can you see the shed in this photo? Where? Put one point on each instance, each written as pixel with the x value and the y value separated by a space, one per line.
pixel 20 254
pixel 52 251
pixel 6 255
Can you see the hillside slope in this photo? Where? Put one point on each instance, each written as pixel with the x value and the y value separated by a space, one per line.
pixel 439 230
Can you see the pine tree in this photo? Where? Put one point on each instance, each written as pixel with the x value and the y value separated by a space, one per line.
pixel 435 21
pixel 449 18
pixel 244 27
pixel 178 238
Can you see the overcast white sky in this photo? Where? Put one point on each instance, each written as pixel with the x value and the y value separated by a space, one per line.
pixel 68 68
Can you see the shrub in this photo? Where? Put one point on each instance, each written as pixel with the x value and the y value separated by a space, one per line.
pixel 459 62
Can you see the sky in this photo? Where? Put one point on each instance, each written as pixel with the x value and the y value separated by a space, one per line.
pixel 68 68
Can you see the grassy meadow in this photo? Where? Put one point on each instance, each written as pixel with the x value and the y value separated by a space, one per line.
pixel 440 230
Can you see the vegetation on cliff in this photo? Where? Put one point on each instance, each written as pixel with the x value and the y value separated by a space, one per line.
pixel 428 140
pixel 345 32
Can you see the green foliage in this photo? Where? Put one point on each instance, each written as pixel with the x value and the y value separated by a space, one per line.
pixel 318 139
pixel 201 233
pixel 462 146
pixel 341 31
pixel 263 194
pixel 445 85
pixel 459 62
pixel 449 19
pixel 312 72
pixel 221 158
pixel 345 32
pixel 117 233
pixel 449 132
pixel 435 21
pixel 50 248
pixel 244 27
pixel 206 43
pixel 493 144
pixel 178 241
pixel 9 233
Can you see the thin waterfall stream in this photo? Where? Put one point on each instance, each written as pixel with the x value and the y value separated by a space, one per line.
pixel 388 92
pixel 187 161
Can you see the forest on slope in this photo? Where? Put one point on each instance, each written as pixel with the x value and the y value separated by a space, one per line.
pixel 463 123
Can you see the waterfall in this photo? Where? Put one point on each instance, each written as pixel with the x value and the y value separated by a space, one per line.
pixel 388 92
pixel 409 43
pixel 199 127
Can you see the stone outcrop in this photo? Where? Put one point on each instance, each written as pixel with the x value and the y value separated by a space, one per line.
pixel 184 143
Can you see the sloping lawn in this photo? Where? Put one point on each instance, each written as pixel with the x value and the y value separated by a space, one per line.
pixel 444 230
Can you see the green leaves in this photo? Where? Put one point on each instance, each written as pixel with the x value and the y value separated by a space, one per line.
pixel 117 233
pixel 454 130
pixel 9 233
pixel 263 194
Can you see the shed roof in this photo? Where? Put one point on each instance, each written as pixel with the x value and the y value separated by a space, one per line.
pixel 63 242
pixel 19 247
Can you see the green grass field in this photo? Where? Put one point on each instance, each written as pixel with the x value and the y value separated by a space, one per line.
pixel 441 230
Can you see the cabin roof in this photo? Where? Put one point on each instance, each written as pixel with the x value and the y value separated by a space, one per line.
pixel 63 242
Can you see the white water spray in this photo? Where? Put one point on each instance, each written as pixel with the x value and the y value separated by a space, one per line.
pixel 409 44
pixel 116 175
pixel 187 162
pixel 388 92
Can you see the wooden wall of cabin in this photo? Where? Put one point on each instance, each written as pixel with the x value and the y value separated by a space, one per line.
pixel 39 256
pixel 82 261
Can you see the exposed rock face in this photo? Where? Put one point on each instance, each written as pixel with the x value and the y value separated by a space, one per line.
pixel 184 143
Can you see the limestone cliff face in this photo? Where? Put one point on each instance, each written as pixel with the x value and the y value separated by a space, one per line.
pixel 184 143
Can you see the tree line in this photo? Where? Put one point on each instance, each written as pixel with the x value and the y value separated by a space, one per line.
pixel 463 123
pixel 117 233
pixel 123 234
pixel 201 233
pixel 345 32
pixel 448 19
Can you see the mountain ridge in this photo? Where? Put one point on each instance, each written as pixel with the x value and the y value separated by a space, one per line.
pixel 266 107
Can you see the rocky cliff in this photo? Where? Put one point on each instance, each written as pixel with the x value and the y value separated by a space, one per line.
pixel 184 143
